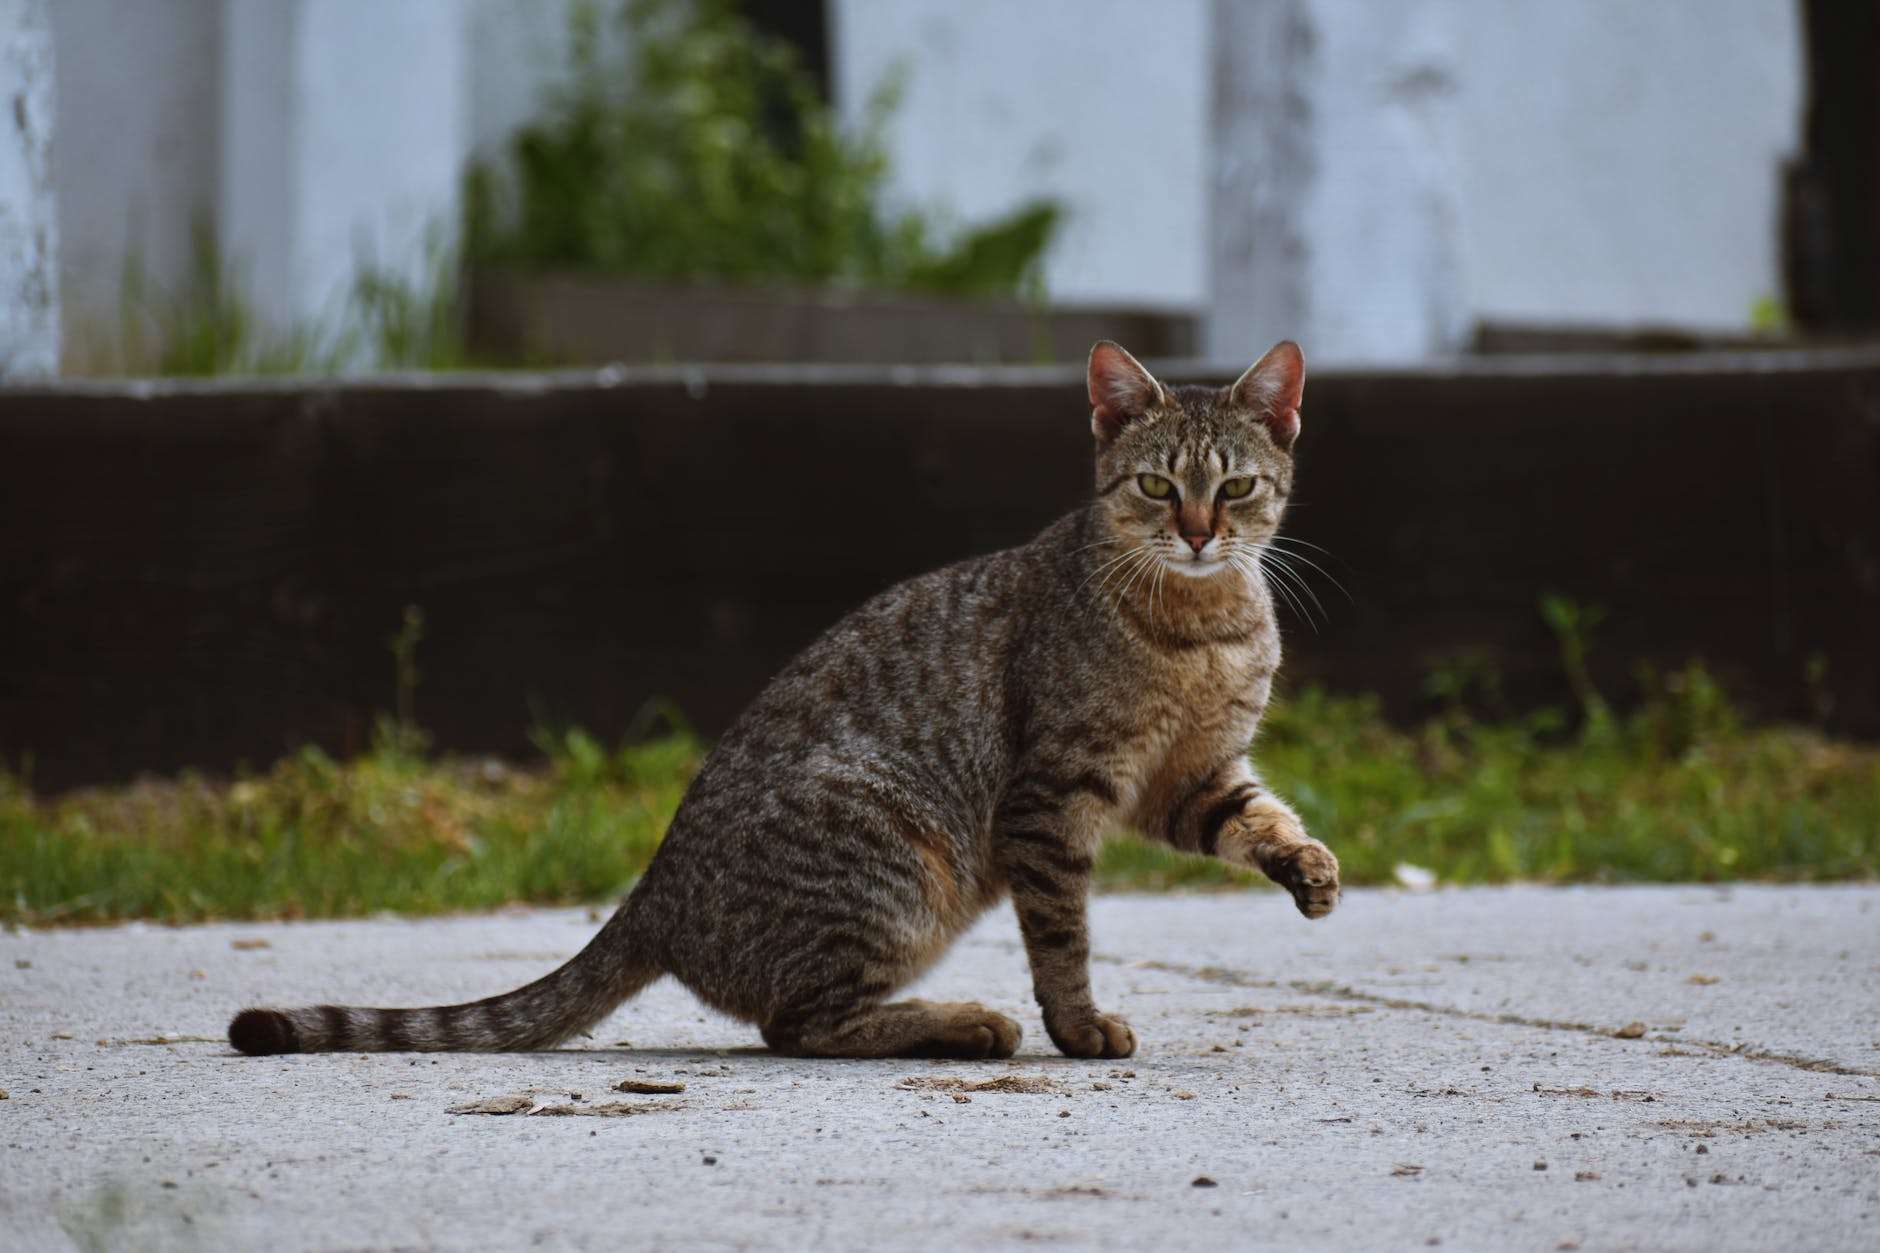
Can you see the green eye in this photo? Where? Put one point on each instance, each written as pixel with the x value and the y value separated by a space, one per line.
pixel 1155 487
pixel 1234 489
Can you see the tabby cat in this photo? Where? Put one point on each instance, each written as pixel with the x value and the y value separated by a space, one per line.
pixel 967 734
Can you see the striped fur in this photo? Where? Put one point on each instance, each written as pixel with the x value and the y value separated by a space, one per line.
pixel 540 1015
pixel 966 735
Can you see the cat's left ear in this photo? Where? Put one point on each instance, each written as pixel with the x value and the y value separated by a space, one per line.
pixel 1272 388
pixel 1121 391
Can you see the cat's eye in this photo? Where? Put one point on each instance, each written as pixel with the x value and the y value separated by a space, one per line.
pixel 1155 487
pixel 1235 489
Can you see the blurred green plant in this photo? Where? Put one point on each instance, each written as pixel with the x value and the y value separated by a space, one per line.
pixel 398 735
pixel 1769 316
pixel 203 326
pixel 709 155
pixel 1573 625
pixel 206 325
pixel 1466 677
pixel 407 323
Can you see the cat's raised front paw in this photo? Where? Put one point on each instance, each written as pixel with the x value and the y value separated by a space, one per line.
pixel 1310 872
pixel 1100 1036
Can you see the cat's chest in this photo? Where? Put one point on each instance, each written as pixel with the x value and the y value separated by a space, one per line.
pixel 1211 696
pixel 1204 713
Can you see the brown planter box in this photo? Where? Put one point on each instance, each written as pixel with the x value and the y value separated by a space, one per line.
pixel 586 319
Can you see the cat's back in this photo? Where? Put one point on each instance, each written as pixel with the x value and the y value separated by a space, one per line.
pixel 926 651
pixel 904 700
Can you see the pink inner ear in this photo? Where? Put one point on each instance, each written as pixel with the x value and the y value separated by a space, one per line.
pixel 1120 389
pixel 1273 387
pixel 1288 388
pixel 1284 426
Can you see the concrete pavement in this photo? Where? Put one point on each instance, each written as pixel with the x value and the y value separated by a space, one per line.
pixel 1521 1068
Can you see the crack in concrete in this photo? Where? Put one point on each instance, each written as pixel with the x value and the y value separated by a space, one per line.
pixel 1226 977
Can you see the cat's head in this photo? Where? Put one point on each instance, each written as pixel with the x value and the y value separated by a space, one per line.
pixel 1196 477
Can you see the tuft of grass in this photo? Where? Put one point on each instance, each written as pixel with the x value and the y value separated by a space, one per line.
pixel 1678 790
pixel 206 325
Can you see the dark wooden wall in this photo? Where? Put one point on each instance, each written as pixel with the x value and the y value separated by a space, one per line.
pixel 1831 218
pixel 207 575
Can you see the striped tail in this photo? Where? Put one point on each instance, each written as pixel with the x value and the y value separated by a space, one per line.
pixel 560 1004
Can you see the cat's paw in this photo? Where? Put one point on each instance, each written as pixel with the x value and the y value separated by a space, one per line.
pixel 1310 872
pixel 1100 1035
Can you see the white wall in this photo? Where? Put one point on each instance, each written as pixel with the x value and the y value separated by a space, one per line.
pixel 1382 209
pixel 1102 104
pixel 518 57
pixel 305 134
pixel 257 172
pixel 345 126
pixel 1372 176
pixel 1439 163
pixel 29 293
pixel 1621 160
pixel 135 162
pixel 1336 202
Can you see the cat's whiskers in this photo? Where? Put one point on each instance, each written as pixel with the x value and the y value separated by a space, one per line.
pixel 1121 568
pixel 1254 568
pixel 1236 556
pixel 1247 563
pixel 1298 556
pixel 1281 570
pixel 1293 539
pixel 1282 582
pixel 1152 558
pixel 1114 561
pixel 1282 563
pixel 1145 572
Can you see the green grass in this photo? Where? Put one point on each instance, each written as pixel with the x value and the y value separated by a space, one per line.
pixel 1678 791
pixel 314 837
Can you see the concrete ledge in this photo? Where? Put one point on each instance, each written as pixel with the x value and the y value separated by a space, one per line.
pixel 1862 359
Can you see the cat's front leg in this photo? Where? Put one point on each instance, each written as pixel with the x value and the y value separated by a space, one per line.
pixel 1047 865
pixel 1230 814
pixel 1268 834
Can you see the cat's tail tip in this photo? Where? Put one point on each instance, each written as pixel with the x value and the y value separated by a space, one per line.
pixel 262 1032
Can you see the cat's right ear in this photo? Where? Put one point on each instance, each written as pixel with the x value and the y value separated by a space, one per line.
pixel 1121 391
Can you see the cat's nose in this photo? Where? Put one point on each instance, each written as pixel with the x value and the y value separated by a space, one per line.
pixel 1197 542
